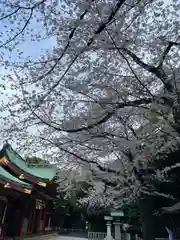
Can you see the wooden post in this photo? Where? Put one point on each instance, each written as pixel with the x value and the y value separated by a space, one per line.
pixel 20 226
pixel 44 220
pixel 2 222
pixel 39 220
pixel 4 214
pixel 29 222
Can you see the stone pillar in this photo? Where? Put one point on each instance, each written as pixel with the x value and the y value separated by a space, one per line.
pixel 127 236
pixel 108 236
pixel 117 230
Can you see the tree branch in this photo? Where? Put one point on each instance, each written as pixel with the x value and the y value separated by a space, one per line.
pixel 20 32
pixel 100 29
pixel 102 120
pixel 157 71
pixel 10 14
pixel 166 51
pixel 71 35
pixel 108 115
pixel 101 168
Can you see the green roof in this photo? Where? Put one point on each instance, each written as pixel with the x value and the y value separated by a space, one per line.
pixel 45 173
pixel 7 176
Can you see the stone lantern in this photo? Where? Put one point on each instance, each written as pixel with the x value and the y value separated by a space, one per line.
pixel 108 224
pixel 117 224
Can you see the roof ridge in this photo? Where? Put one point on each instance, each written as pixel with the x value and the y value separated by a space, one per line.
pixel 8 145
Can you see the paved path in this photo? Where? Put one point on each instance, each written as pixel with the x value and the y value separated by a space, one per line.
pixel 67 238
pixel 56 237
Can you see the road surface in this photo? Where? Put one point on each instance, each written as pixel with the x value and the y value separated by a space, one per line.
pixel 67 238
pixel 56 237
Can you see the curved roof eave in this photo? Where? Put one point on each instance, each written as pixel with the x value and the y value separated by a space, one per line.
pixel 44 174
pixel 8 176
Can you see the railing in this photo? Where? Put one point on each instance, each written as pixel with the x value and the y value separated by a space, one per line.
pixel 96 235
pixel 102 235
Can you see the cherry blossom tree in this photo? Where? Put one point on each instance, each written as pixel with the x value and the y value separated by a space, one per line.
pixel 102 86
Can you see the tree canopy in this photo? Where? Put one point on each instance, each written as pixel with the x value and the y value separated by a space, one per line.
pixel 101 90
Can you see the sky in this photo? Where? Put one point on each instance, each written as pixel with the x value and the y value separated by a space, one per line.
pixel 29 49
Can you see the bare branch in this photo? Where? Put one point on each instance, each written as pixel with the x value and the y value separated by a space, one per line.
pixel 10 14
pixel 166 51
pixel 20 32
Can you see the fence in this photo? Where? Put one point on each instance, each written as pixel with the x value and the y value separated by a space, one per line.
pixel 96 235
pixel 102 235
pixel 125 236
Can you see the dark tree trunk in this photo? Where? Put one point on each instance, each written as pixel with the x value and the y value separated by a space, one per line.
pixel 147 219
pixel 176 115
